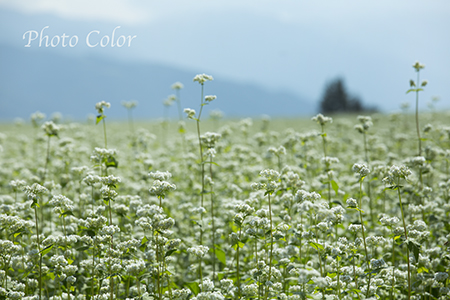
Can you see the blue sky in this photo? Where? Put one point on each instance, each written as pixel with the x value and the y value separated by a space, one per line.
pixel 282 45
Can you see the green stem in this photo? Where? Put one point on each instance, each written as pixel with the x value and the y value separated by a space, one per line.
pixel 321 267
pixel 329 189
pixel 39 249
pixel 47 159
pixel 139 287
pixel 393 269
pixel 300 247
pixel 237 266
pixel 7 267
pixel 111 279
pixel 417 115
pixel 158 272
pixel 130 121
pixel 338 282
pixel 362 223
pixel 271 246
pixel 364 235
pixel 201 273
pixel 202 165
pixel 93 268
pixel 213 232
pixel 406 237
pixel 104 133
pixel 324 142
pixel 366 151
pixel 180 114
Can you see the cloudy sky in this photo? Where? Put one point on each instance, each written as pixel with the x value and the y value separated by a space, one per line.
pixel 282 45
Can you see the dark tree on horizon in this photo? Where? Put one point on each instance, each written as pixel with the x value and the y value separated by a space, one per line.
pixel 336 99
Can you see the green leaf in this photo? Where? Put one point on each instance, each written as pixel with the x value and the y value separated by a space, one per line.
pixel 410 90
pixel 89 232
pixel 335 186
pixel 66 213
pixel 69 261
pixel 111 162
pixel 51 275
pixel 143 245
pixel 82 248
pixel 193 286
pixel 220 254
pixel 99 118
pixel 316 246
pixel 415 248
pixel 422 269
pixel 331 275
pixel 337 202
pixel 181 130
pixel 355 208
pixel 268 193
pixel 210 162
pixel 17 234
pixel 170 252
pixel 397 237
pixel 46 250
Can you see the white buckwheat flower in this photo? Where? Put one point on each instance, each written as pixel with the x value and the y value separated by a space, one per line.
pixel 50 128
pixel 177 86
pixel 362 169
pixel 190 113
pixel 198 251
pixel 322 120
pixel 210 98
pixel 201 78
pixel 99 106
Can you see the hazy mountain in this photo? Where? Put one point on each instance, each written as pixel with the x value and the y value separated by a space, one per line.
pixel 43 80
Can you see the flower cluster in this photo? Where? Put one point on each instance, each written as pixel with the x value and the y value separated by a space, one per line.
pixel 202 78
pixel 100 106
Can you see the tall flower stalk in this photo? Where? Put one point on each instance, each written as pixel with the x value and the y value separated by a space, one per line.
pixel 109 194
pixel 160 188
pixel 362 172
pixel 129 105
pixel 210 139
pixel 417 87
pixel 201 79
pixel 322 121
pixel 51 129
pixel 100 106
pixel 363 127
pixel 33 193
pixel 272 177
pixel 389 223
pixel 395 174
pixel 177 87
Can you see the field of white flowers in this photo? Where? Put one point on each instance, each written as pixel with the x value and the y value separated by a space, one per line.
pixel 347 208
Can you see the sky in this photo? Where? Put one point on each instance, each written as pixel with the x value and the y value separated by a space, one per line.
pixel 297 46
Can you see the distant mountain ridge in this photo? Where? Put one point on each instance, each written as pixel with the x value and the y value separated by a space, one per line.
pixel 41 80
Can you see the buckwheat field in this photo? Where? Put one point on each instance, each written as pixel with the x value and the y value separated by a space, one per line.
pixel 350 207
